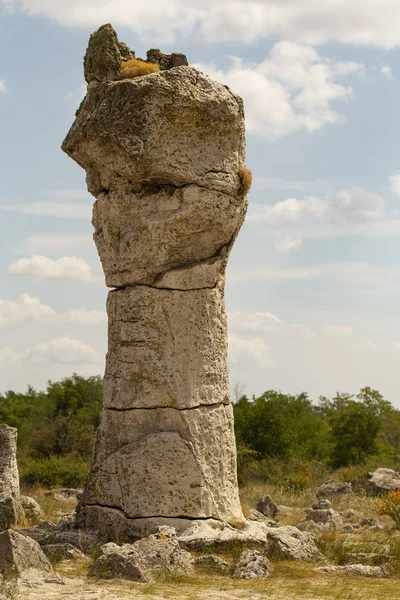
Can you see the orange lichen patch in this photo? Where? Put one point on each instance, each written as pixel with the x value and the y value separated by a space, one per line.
pixel 135 68
pixel 246 179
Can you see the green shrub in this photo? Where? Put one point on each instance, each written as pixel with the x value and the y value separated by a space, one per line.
pixel 68 470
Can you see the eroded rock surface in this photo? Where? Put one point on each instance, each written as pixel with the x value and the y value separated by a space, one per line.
pixel 252 564
pixel 21 556
pixel 141 560
pixel 382 481
pixel 332 489
pixel 10 503
pixel 164 155
pixel 288 543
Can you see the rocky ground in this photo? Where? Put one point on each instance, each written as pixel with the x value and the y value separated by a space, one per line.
pixel 361 561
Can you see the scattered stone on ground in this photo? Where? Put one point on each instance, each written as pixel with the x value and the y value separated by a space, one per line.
pixel 252 564
pixel 21 556
pixel 64 534
pixel 11 510
pixel 203 534
pixel 324 504
pixel 321 517
pixel 212 564
pixel 363 570
pixel 331 489
pixel 289 543
pixel 63 493
pixel 366 558
pixel 57 552
pixel 267 507
pixel 122 564
pixel 255 515
pixel 141 560
pixel 383 480
pixel 32 509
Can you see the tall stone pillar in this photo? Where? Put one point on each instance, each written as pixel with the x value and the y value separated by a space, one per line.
pixel 10 503
pixel 164 155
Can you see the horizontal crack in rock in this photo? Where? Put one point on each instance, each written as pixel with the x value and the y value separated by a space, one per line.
pixel 184 408
pixel 185 517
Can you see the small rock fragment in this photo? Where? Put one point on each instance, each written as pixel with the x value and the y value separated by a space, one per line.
pixel 57 552
pixel 33 510
pixel 363 570
pixel 212 564
pixel 267 507
pixel 324 504
pixel 384 480
pixel 252 564
pixel 289 543
pixel 333 488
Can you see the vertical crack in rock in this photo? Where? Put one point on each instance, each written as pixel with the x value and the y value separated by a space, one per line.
pixel 163 154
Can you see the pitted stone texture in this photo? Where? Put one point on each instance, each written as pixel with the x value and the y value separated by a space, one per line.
pixel 332 489
pixel 177 126
pixel 362 570
pixel 166 348
pixel 163 463
pixel 33 511
pixel 206 274
pixel 103 57
pixel 166 61
pixel 289 543
pixel 144 232
pixel 10 503
pixel 252 564
pixel 384 480
pixel 20 555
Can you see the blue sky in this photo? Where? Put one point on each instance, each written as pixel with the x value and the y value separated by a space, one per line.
pixel 313 284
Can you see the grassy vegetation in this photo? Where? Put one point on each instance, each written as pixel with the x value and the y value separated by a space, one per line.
pixel 136 68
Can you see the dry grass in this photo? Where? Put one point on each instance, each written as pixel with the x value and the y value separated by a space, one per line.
pixel 136 68
pixel 246 179
pixel 290 580
pixel 53 508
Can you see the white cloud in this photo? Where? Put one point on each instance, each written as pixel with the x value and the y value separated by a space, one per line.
pixel 337 330
pixel 27 308
pixel 3 87
pixel 242 349
pixel 292 89
pixel 65 210
pixel 372 22
pixel 354 205
pixel 67 267
pixel 371 278
pixel 58 350
pixel 264 322
pixel 288 244
pixel 53 243
pixel 395 183
pixel 85 316
pixel 386 70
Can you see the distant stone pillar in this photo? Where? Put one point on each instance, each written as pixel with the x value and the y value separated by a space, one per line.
pixel 10 504
pixel 165 158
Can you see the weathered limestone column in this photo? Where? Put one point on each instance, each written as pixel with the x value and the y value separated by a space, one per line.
pixel 10 504
pixel 164 155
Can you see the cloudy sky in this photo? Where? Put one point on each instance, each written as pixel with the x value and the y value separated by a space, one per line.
pixel 313 291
